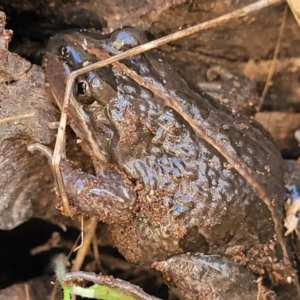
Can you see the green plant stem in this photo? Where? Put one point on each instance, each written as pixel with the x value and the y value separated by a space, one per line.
pixel 97 291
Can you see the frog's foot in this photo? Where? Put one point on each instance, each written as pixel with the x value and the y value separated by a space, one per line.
pixel 199 276
pixel 53 125
pixel 216 76
pixel 236 92
pixel 215 72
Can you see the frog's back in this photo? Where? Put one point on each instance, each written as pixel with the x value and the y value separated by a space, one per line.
pixel 187 187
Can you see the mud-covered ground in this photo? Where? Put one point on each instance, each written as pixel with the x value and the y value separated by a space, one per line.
pixel 244 46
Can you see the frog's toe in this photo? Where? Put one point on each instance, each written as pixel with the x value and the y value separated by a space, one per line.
pixel 199 276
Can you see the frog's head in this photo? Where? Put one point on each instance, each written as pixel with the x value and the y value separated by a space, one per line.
pixel 90 91
pixel 63 56
pixel 67 52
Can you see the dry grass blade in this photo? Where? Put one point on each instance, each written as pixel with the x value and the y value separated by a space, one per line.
pixel 14 118
pixel 27 294
pixel 295 8
pixel 275 56
pixel 175 36
pixel 89 233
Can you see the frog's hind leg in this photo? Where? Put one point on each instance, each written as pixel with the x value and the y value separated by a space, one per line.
pixel 199 276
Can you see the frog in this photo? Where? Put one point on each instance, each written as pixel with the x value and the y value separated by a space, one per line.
pixel 176 172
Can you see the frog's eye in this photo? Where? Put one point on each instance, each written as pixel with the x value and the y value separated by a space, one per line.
pixel 82 91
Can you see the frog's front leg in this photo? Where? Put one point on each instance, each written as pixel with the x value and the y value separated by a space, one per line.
pixel 109 196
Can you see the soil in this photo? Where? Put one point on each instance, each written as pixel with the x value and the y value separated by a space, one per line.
pixel 243 46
